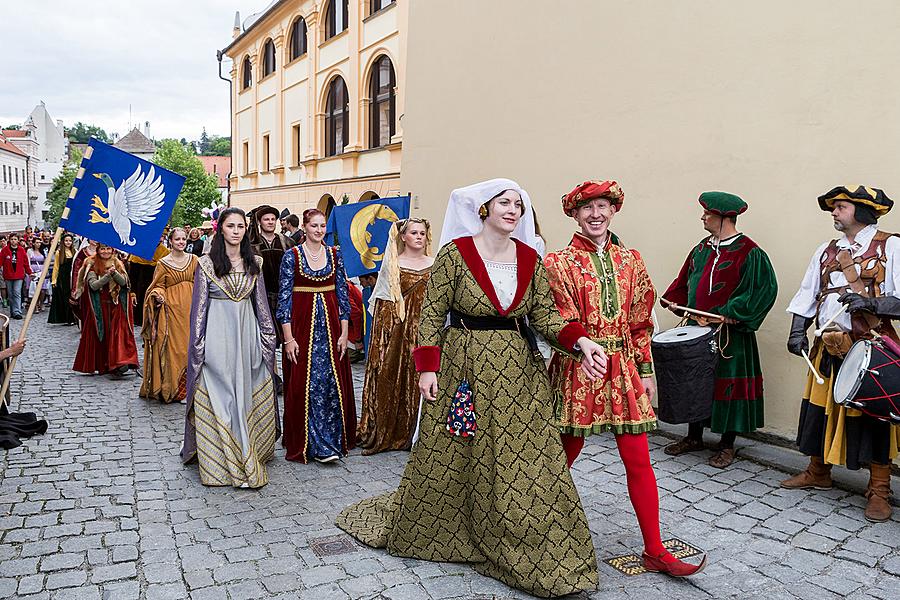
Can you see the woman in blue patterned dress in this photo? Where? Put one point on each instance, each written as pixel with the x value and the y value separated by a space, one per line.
pixel 314 313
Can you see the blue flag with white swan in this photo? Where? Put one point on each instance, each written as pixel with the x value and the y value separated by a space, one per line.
pixel 121 200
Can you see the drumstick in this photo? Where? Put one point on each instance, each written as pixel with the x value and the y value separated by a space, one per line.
pixel 694 311
pixel 818 332
pixel 812 368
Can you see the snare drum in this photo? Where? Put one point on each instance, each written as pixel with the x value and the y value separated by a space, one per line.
pixel 685 360
pixel 869 380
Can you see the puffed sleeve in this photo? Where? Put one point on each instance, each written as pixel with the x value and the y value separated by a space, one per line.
pixel 640 315
pixel 285 287
pixel 545 315
pixel 438 299
pixel 340 283
pixel 755 294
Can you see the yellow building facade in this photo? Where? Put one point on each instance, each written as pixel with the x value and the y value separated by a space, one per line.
pixel 775 101
pixel 317 96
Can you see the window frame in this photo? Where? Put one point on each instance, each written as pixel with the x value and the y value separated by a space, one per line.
pixel 377 98
pixel 373 5
pixel 268 55
pixel 304 47
pixel 246 74
pixel 332 113
pixel 331 18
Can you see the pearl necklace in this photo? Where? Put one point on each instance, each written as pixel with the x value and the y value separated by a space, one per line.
pixel 314 257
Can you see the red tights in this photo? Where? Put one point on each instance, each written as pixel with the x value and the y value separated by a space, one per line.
pixel 635 455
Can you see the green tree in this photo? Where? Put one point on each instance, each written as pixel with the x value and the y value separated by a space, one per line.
pixel 62 185
pixel 199 189
pixel 13 127
pixel 80 133
pixel 204 142
pixel 218 146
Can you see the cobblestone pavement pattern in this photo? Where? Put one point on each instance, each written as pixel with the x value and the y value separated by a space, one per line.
pixel 101 507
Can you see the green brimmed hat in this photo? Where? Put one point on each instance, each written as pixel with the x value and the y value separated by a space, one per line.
pixel 722 203
pixel 874 198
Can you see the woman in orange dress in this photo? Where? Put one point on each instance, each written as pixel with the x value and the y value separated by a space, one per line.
pixel 166 327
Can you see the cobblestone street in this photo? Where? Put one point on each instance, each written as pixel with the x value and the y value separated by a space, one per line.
pixel 101 507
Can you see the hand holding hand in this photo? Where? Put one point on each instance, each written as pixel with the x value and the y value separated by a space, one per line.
pixel 428 385
pixel 649 387
pixel 594 359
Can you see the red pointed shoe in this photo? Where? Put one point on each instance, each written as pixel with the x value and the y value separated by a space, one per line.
pixel 673 567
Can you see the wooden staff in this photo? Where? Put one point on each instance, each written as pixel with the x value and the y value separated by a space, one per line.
pixel 694 311
pixel 31 307
pixel 812 368
pixel 818 332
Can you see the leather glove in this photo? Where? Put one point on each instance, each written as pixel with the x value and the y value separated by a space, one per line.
pixel 797 341
pixel 883 306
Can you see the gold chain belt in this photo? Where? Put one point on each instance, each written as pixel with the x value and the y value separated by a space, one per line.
pixel 314 290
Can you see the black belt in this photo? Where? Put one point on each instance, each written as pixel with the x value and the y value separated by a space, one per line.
pixel 461 321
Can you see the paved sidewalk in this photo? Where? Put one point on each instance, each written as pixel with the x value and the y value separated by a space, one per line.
pixel 101 507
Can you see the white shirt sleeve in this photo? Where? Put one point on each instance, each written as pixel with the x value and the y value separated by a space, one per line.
pixel 891 285
pixel 804 301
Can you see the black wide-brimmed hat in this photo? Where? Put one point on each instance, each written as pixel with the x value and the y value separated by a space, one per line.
pixel 285 214
pixel 264 209
pixel 874 198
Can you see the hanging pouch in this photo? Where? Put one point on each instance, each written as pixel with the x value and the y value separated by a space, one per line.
pixel 461 416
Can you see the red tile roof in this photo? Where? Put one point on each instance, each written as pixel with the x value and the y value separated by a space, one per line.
pixel 219 166
pixel 5 144
pixel 14 133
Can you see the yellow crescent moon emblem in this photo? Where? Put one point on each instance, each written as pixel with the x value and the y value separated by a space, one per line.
pixel 360 235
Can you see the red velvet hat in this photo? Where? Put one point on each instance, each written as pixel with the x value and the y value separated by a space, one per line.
pixel 589 190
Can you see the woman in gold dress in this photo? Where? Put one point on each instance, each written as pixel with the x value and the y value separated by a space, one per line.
pixel 390 402
pixel 166 327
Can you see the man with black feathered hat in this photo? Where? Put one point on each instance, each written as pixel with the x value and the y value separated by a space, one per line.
pixel 271 246
pixel 860 270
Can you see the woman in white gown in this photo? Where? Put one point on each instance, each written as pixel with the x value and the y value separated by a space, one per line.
pixel 231 422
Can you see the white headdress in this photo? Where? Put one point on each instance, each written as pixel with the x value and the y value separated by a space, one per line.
pixel 462 212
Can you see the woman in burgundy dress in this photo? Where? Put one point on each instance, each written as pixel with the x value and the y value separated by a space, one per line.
pixel 314 311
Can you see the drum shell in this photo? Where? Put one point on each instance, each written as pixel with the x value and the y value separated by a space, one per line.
pixel 685 378
pixel 869 397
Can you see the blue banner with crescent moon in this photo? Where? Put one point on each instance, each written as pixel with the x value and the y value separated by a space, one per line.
pixel 121 200
pixel 362 231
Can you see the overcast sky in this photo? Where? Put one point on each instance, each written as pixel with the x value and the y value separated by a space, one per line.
pixel 88 60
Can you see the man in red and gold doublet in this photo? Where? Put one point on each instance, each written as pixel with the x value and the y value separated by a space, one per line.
pixel 610 292
pixel 606 287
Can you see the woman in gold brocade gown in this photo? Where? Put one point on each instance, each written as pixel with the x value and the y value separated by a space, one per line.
pixel 390 402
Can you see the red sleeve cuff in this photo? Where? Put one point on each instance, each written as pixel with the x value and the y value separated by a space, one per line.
pixel 569 335
pixel 427 358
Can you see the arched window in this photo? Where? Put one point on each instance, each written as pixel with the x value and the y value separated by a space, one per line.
pixel 337 16
pixel 383 106
pixel 268 58
pixel 337 118
pixel 246 74
pixel 326 203
pixel 370 195
pixel 298 38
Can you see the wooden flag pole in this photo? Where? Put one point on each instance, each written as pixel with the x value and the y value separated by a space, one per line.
pixel 31 307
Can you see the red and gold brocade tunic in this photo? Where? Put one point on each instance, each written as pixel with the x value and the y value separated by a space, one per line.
pixel 610 293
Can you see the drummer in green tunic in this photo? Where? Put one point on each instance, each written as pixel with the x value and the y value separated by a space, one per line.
pixel 727 274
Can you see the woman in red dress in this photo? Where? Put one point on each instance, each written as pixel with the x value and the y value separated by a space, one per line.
pixel 107 334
